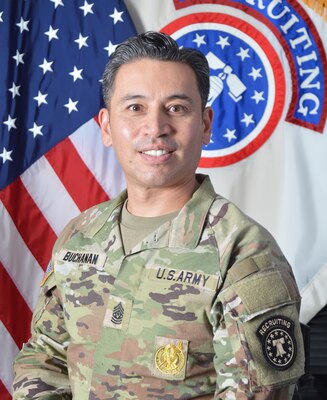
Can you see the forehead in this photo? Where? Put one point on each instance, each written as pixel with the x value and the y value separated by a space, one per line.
pixel 146 73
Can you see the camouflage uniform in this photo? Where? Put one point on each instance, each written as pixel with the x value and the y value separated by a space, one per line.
pixel 205 307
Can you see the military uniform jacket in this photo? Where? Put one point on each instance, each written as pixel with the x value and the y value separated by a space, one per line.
pixel 205 307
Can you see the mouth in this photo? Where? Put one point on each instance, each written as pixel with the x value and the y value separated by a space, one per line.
pixel 156 153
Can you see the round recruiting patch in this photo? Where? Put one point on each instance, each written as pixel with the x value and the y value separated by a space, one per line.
pixel 170 359
pixel 276 335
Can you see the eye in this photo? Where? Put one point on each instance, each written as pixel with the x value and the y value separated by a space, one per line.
pixel 134 107
pixel 176 108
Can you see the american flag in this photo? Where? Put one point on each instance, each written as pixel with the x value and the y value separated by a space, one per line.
pixel 52 162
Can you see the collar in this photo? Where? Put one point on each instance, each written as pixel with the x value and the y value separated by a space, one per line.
pixel 186 228
pixel 110 213
pixel 183 231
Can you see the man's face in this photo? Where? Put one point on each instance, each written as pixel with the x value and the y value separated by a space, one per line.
pixel 155 123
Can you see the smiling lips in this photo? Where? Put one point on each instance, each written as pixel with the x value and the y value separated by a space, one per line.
pixel 157 156
pixel 156 153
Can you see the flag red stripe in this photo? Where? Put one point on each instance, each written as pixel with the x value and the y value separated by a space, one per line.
pixel 29 221
pixel 14 312
pixel 75 175
pixel 96 119
pixel 4 394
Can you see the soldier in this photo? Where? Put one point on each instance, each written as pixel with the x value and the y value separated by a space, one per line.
pixel 168 291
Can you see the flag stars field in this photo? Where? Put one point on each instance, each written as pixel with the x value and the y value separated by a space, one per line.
pixel 76 73
pixel 11 123
pixel 19 58
pixel 87 8
pixel 81 41
pixel 110 48
pixel 5 155
pixel 117 16
pixel 57 3
pixel 41 98
pixel 23 25
pixel 14 90
pixel 52 33
pixel 71 105
pixel 46 66
pixel 56 80
pixel 36 130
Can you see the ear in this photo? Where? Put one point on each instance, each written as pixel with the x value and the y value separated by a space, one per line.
pixel 103 118
pixel 207 124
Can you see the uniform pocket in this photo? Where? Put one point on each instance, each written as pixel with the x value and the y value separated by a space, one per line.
pixel 85 294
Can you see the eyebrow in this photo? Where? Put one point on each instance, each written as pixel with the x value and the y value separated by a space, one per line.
pixel 131 97
pixel 176 96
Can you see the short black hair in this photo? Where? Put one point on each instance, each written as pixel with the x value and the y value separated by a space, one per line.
pixel 157 46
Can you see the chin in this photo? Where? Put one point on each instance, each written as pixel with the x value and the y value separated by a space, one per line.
pixel 156 181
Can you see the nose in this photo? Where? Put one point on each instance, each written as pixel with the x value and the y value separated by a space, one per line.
pixel 157 123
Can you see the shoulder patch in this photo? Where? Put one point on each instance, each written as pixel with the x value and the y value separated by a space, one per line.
pixel 279 346
pixel 47 273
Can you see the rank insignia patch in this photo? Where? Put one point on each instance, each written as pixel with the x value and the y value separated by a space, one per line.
pixel 276 335
pixel 118 313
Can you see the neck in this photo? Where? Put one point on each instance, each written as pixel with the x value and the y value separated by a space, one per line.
pixel 154 202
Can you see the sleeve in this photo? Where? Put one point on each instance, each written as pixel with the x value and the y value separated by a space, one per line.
pixel 258 343
pixel 40 368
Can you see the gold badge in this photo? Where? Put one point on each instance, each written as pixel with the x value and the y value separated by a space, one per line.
pixel 170 359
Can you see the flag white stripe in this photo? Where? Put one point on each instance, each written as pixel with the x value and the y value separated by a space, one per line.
pixel 50 195
pixel 8 353
pixel 18 261
pixel 314 295
pixel 101 161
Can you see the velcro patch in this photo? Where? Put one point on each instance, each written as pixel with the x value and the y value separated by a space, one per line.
pixel 170 357
pixel 279 346
pixel 197 279
pixel 118 313
pixel 242 269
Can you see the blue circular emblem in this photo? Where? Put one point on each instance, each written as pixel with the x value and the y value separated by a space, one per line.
pixel 246 78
